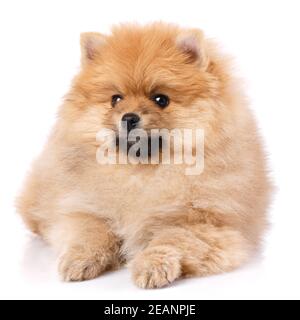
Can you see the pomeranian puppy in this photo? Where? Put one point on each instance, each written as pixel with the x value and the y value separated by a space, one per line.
pixel 163 223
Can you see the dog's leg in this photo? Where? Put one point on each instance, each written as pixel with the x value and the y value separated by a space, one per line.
pixel 86 245
pixel 197 250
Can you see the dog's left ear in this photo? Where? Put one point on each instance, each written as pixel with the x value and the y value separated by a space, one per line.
pixel 91 44
pixel 192 44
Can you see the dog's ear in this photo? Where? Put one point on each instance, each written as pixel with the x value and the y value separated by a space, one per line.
pixel 91 43
pixel 192 44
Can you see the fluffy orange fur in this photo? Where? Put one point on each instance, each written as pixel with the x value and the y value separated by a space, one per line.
pixel 164 224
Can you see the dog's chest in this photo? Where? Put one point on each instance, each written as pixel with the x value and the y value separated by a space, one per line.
pixel 133 195
pixel 127 197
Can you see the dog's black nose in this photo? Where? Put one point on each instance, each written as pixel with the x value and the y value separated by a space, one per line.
pixel 131 120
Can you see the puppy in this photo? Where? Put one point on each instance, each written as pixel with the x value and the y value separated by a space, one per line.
pixel 163 223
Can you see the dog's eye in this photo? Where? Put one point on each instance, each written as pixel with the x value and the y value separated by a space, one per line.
pixel 161 100
pixel 116 99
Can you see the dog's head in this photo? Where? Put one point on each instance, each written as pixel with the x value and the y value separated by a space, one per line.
pixel 152 77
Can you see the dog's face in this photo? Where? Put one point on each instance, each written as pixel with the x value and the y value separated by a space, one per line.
pixel 155 77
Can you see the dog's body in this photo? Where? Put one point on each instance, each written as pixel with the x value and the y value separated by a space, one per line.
pixel 165 223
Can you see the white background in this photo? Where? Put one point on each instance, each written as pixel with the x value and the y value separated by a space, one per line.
pixel 39 55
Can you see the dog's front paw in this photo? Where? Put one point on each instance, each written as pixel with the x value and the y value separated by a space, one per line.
pixel 156 267
pixel 78 265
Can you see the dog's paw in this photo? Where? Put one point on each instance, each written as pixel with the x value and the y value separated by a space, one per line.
pixel 78 265
pixel 156 267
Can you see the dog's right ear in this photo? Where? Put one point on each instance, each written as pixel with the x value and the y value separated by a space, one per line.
pixel 91 43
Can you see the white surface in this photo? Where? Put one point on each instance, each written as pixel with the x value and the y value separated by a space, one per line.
pixel 39 54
